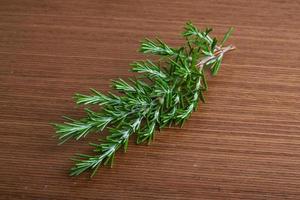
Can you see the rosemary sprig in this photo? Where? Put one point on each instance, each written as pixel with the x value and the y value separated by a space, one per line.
pixel 164 93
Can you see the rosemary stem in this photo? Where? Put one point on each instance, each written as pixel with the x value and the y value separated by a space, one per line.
pixel 220 51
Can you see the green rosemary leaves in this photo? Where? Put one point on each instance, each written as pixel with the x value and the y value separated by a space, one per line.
pixel 163 94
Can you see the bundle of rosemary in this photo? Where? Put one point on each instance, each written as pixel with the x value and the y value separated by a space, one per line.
pixel 165 93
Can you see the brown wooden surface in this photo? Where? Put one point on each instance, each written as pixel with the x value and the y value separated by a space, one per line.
pixel 243 144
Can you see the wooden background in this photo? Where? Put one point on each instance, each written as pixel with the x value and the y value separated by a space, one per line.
pixel 243 144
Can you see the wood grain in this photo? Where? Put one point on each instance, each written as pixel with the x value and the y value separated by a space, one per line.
pixel 243 144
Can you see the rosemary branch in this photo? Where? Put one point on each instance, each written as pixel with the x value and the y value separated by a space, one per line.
pixel 164 93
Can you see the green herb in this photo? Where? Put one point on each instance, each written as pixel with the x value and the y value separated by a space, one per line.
pixel 164 93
